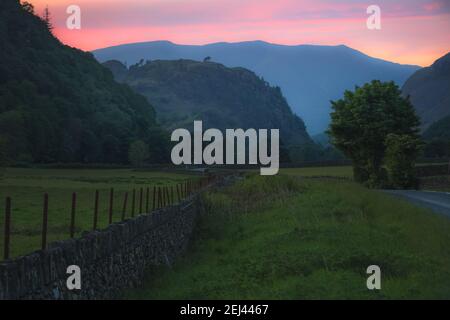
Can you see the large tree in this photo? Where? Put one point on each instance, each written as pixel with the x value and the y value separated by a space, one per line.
pixel 361 122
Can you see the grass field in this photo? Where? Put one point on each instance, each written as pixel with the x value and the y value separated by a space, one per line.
pixel 298 238
pixel 27 186
pixel 341 172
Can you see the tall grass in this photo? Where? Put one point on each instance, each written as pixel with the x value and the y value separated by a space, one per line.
pixel 294 238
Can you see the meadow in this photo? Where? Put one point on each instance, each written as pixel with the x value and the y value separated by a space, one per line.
pixel 26 187
pixel 293 237
pixel 338 172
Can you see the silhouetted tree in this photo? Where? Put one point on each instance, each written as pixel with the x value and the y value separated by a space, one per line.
pixel 47 18
pixel 27 7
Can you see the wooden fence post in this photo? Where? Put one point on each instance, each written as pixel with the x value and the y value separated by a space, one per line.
pixel 124 209
pixel 178 192
pixel 72 215
pixel 133 203
pixel 95 210
pixel 111 204
pixel 167 195
pixel 147 199
pixel 141 194
pixel 159 198
pixel 7 239
pixel 44 222
pixel 154 198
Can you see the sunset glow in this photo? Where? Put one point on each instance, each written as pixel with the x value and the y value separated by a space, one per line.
pixel 413 31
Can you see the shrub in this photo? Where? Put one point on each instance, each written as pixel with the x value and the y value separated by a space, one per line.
pixel 401 154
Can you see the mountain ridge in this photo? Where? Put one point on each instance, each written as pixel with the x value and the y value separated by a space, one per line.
pixel 309 75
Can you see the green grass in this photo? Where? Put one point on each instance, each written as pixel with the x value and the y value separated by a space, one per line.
pixel 294 238
pixel 27 186
pixel 342 172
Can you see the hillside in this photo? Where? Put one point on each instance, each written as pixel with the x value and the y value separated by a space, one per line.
pixel 438 130
pixel 309 76
pixel 184 90
pixel 58 104
pixel 429 91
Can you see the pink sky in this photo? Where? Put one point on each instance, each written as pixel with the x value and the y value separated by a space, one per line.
pixel 412 31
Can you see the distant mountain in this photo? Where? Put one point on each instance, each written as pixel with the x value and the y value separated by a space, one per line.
pixel 185 90
pixel 309 76
pixel 58 104
pixel 438 130
pixel 429 91
pixel 322 138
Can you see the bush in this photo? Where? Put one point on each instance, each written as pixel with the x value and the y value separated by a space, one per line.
pixel 401 154
pixel 361 122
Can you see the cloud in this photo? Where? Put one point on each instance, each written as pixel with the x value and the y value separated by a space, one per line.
pixel 407 25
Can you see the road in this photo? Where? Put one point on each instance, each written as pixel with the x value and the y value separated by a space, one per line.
pixel 436 201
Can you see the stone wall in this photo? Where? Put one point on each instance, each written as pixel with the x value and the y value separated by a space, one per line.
pixel 110 260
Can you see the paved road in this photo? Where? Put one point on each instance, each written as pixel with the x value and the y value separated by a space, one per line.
pixel 436 201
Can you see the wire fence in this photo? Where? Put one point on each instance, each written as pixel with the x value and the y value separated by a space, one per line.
pixel 137 201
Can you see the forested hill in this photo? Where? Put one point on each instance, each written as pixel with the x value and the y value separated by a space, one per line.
pixel 309 75
pixel 58 104
pixel 429 91
pixel 184 90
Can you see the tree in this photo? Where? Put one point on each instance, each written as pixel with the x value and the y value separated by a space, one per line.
pixel 361 122
pixel 47 19
pixel 28 7
pixel 138 153
pixel 401 153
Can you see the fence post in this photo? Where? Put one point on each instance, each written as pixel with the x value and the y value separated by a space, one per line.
pixel 154 198
pixel 167 195
pixel 159 198
pixel 164 196
pixel 178 192
pixel 96 210
pixel 133 203
pixel 7 234
pixel 45 222
pixel 141 193
pixel 72 215
pixel 171 194
pixel 124 210
pixel 147 199
pixel 111 204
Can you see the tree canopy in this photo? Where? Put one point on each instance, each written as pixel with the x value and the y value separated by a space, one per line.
pixel 363 119
pixel 58 104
